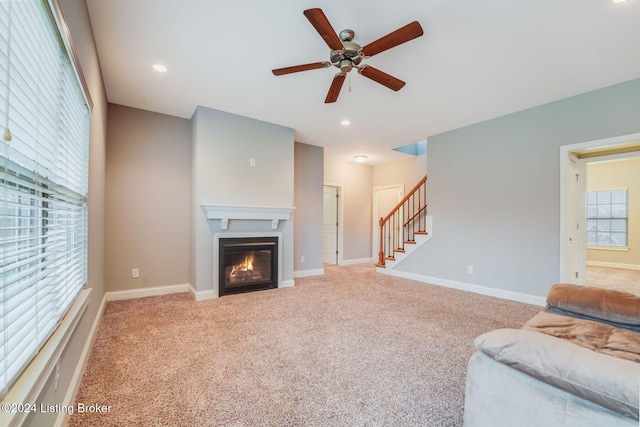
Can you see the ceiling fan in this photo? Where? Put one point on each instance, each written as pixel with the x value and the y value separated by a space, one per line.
pixel 347 55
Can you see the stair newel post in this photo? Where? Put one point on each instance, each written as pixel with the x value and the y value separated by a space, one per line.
pixel 419 206
pixel 425 204
pixel 381 247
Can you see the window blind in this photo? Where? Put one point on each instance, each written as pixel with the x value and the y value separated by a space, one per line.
pixel 607 218
pixel 44 146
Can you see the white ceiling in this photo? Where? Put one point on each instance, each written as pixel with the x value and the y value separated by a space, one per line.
pixel 477 59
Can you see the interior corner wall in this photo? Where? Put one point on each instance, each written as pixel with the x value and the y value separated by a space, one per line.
pixel 494 190
pixel 308 184
pixel 617 175
pixel 222 145
pixel 407 171
pixel 357 202
pixel 147 209
pixel 77 19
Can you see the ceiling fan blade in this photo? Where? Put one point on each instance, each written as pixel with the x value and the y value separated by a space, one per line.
pixel 399 36
pixel 334 90
pixel 298 68
pixel 381 77
pixel 323 27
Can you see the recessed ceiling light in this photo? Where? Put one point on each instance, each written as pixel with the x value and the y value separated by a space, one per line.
pixel 360 159
pixel 160 68
pixel 345 122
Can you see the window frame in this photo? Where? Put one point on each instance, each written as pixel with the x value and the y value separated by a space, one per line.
pixel 604 218
pixel 31 378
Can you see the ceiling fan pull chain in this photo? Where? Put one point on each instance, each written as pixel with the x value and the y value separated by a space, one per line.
pixel 349 82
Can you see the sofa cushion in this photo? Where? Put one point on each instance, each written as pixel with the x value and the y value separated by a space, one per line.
pixel 593 335
pixel 608 381
pixel 598 303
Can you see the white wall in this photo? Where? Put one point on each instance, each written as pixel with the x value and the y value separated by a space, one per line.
pixel 494 191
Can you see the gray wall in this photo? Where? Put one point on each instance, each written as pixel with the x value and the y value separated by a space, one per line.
pixel 76 15
pixel 357 199
pixel 494 190
pixel 308 183
pixel 147 199
pixel 222 145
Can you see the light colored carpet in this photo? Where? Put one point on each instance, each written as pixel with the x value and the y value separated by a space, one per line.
pixel 350 348
pixel 614 278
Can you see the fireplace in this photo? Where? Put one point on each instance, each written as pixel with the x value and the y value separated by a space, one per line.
pixel 247 264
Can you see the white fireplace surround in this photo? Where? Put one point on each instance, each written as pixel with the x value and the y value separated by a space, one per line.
pixel 225 213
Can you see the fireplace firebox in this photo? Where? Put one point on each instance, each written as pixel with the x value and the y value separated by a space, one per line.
pixel 247 264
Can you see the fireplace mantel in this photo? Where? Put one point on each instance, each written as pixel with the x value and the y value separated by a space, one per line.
pixel 261 213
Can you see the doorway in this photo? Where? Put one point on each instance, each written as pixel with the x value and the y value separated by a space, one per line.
pixel 573 160
pixel 332 224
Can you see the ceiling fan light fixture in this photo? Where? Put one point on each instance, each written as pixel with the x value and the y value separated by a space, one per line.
pixel 360 159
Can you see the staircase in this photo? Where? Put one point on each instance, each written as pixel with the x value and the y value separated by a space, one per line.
pixel 405 228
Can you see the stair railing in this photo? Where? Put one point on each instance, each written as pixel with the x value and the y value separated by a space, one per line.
pixel 405 220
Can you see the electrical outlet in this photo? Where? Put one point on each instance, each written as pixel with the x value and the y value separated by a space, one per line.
pixel 135 273
pixel 470 269
pixel 252 162
pixel 302 259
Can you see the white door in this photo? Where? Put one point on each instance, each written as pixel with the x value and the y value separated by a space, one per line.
pixel 330 225
pixel 575 261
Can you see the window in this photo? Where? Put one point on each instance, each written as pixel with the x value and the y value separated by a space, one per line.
pixel 44 146
pixel 607 218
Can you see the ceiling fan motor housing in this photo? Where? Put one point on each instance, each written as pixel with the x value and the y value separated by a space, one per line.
pixel 348 57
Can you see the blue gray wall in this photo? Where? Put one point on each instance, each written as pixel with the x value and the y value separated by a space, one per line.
pixel 494 190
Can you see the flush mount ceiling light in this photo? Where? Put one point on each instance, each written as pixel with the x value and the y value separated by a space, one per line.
pixel 160 68
pixel 360 159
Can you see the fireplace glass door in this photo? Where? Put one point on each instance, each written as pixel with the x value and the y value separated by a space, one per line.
pixel 248 264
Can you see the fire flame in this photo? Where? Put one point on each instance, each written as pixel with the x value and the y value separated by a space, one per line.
pixel 244 266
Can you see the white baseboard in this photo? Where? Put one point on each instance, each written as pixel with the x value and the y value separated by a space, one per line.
pixel 72 391
pixel 202 295
pixel 478 289
pixel 210 294
pixel 146 292
pixel 308 273
pixel 613 265
pixel 356 261
pixel 287 283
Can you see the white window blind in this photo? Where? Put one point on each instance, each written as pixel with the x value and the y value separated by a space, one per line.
pixel 43 182
pixel 607 218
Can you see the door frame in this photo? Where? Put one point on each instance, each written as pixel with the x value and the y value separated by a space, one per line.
pixel 566 152
pixel 376 216
pixel 340 190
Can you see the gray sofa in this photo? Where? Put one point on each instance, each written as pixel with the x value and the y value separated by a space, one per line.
pixel 576 363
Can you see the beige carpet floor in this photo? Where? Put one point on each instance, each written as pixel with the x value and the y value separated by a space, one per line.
pixel 350 348
pixel 614 278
